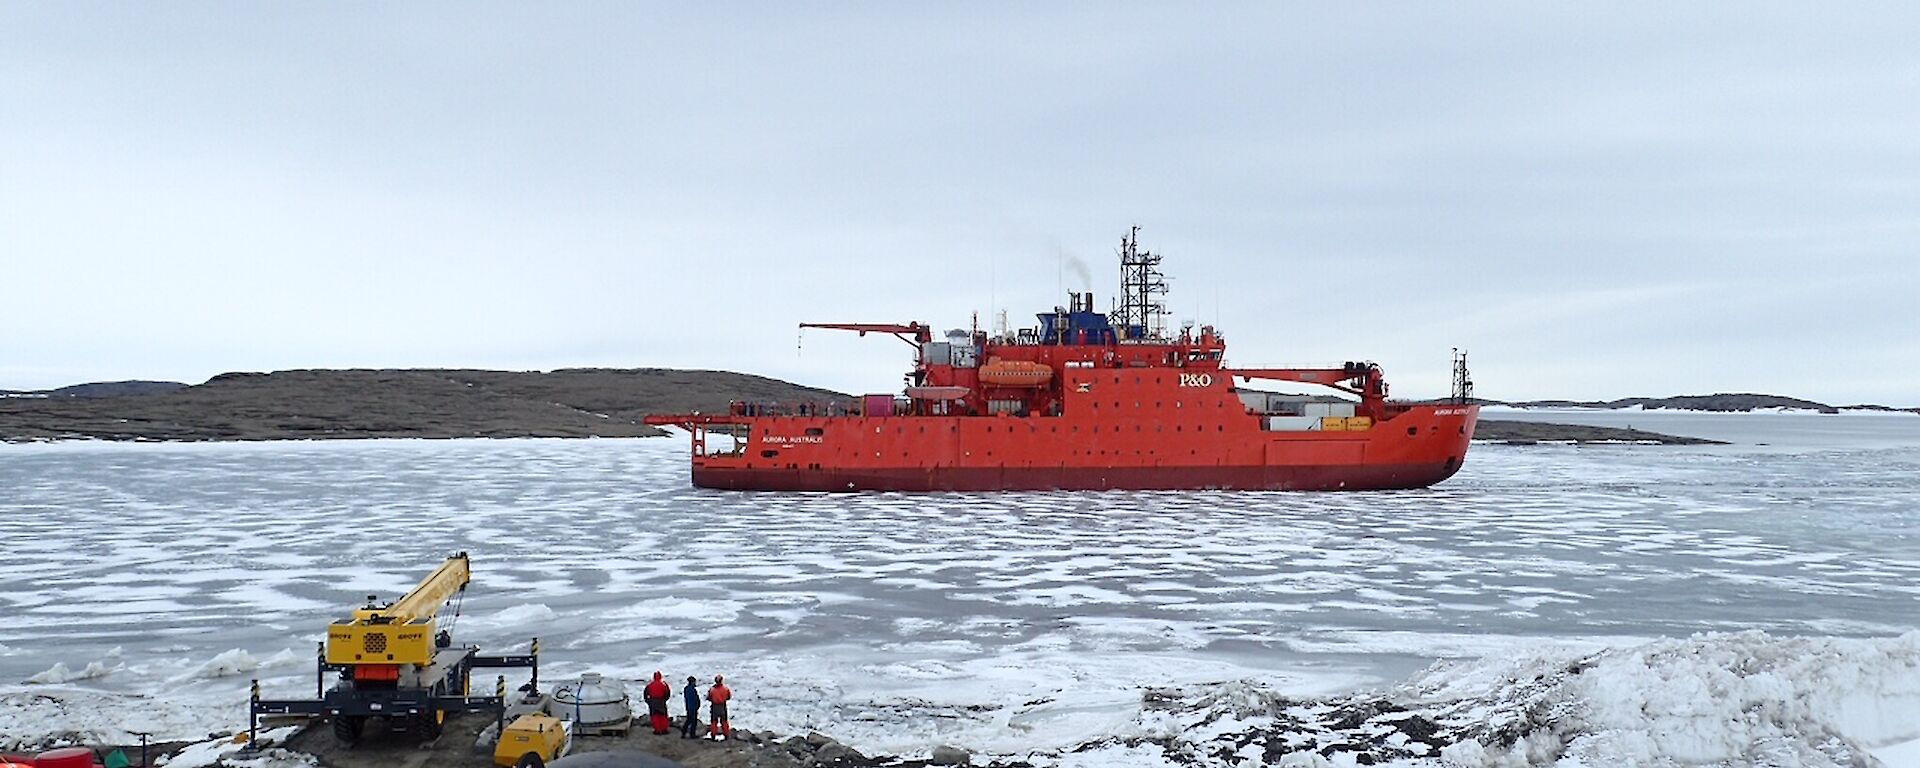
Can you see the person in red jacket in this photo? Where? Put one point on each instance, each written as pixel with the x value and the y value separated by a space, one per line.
pixel 656 694
pixel 719 727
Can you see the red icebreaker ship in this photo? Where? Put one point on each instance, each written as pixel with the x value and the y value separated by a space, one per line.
pixel 1088 401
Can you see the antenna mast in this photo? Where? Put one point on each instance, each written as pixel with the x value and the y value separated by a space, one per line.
pixel 1141 314
pixel 1462 380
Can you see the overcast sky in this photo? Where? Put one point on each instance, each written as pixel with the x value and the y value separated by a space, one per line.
pixel 1595 200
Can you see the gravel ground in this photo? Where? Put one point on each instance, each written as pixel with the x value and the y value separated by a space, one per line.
pixel 456 748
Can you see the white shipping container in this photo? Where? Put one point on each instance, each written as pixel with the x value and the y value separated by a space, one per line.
pixel 1341 410
pixel 1293 423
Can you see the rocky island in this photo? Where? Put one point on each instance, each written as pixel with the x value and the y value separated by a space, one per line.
pixel 361 403
pixel 312 404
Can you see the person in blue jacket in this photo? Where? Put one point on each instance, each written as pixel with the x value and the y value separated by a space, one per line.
pixel 692 695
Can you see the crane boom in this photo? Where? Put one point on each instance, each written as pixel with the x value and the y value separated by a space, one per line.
pixel 1365 378
pixel 400 632
pixel 911 333
pixel 434 591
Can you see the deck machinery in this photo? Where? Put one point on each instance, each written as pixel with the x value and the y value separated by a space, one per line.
pixel 393 662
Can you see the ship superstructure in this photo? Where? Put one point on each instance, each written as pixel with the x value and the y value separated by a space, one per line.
pixel 1086 400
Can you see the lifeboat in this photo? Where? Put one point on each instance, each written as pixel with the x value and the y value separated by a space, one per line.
pixel 1015 373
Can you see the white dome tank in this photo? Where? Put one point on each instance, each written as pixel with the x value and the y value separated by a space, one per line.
pixel 592 702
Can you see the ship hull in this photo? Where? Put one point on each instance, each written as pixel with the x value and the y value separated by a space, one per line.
pixel 1357 477
pixel 1415 447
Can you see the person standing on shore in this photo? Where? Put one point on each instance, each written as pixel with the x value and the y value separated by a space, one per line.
pixel 656 695
pixel 719 726
pixel 689 729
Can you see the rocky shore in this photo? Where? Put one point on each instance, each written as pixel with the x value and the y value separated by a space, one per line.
pixel 416 403
pixel 1534 433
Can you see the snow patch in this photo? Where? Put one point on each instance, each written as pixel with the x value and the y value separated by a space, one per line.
pixel 668 608
pixel 1715 699
pixel 228 752
pixel 520 615
pixel 60 673
pixel 1905 754
pixel 44 717
pixel 235 662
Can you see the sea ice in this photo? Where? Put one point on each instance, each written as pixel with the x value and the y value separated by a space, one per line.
pixel 1009 624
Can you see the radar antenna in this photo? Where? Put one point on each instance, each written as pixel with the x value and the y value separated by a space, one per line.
pixel 1141 315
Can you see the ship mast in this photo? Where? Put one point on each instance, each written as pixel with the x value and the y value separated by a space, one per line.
pixel 1140 315
pixel 1462 381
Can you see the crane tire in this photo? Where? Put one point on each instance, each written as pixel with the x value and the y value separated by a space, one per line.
pixel 346 728
pixel 426 726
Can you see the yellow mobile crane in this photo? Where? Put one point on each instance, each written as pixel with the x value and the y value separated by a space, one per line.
pixel 393 664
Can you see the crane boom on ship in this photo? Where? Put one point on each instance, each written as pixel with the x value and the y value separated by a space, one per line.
pixel 911 333
pixel 1369 382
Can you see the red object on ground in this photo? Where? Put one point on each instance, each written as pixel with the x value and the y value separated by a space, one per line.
pixel 68 757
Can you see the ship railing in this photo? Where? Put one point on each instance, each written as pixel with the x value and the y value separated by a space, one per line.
pixel 805 408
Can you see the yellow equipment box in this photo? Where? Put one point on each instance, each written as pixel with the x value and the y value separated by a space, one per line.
pixel 532 734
